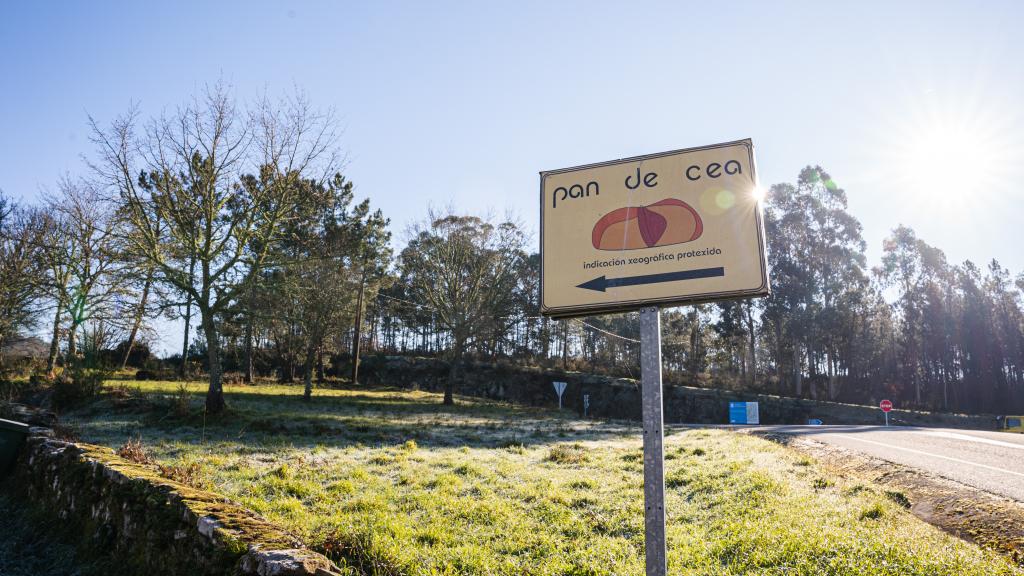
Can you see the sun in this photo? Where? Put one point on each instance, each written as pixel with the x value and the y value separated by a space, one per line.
pixel 952 158
pixel 945 157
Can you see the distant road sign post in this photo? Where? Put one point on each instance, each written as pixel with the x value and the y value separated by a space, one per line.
pixel 639 233
pixel 886 406
pixel 559 389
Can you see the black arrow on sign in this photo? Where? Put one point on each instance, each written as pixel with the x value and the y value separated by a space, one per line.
pixel 601 284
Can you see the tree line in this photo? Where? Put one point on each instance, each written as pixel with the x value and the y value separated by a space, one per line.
pixel 238 222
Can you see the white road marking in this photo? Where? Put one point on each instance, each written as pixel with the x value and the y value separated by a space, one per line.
pixel 923 453
pixel 955 436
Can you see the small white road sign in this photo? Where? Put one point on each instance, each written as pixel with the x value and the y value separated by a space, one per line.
pixel 559 389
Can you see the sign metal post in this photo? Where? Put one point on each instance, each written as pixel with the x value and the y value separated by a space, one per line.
pixel 665 229
pixel 654 454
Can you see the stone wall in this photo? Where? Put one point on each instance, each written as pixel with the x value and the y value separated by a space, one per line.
pixel 619 398
pixel 154 526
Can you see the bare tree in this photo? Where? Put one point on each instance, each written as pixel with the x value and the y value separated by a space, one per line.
pixel 21 272
pixel 218 186
pixel 84 257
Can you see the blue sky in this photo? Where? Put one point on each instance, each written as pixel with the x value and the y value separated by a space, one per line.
pixel 913 107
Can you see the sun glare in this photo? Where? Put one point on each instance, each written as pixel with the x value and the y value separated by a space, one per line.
pixel 946 156
pixel 758 193
pixel 950 159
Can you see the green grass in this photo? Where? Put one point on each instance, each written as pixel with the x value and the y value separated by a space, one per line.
pixel 395 483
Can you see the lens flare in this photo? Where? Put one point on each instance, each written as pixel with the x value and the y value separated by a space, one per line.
pixel 758 193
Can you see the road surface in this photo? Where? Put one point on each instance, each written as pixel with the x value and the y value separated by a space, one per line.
pixel 991 461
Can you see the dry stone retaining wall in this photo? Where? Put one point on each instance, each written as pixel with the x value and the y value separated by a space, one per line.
pixel 156 526
pixel 619 398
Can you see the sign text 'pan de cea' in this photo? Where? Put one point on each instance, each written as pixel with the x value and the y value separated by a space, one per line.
pixel 670 228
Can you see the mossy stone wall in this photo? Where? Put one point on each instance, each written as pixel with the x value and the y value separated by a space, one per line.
pixel 620 397
pixel 153 525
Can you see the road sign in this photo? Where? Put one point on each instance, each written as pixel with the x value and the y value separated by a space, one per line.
pixel 668 228
pixel 635 234
pixel 744 413
pixel 1012 424
pixel 814 422
pixel 886 406
pixel 559 388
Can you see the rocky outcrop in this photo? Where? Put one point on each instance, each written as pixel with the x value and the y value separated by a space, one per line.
pixel 619 398
pixel 153 525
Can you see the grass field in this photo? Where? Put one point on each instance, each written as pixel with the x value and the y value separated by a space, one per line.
pixel 394 483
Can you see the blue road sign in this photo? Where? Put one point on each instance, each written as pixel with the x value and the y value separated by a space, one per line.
pixel 737 412
pixel 814 422
pixel 744 413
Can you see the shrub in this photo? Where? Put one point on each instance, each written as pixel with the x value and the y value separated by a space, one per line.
pixel 134 451
pixel 188 474
pixel 182 402
pixel 77 385
pixel 567 454
pixel 898 497
pixel 873 512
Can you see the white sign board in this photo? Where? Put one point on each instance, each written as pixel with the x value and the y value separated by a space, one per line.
pixel 753 417
pixel 559 389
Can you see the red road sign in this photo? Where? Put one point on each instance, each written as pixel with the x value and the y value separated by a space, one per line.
pixel 885 405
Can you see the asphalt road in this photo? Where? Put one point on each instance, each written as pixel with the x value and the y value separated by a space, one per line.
pixel 991 461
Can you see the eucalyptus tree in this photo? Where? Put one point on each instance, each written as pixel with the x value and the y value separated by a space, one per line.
pixel 816 254
pixel 463 268
pixel 190 205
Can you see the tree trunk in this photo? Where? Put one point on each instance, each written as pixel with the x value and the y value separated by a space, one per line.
pixel 72 344
pixel 832 392
pixel 215 394
pixel 139 313
pixel 453 374
pixel 307 372
pixel 797 372
pixel 449 385
pixel 183 369
pixel 248 332
pixel 51 360
pixel 357 335
pixel 565 344
pixel 320 364
pixel 752 345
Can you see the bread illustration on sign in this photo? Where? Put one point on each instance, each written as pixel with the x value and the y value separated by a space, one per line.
pixel 663 223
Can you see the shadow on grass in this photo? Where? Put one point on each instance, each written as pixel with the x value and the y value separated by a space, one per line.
pixel 369 417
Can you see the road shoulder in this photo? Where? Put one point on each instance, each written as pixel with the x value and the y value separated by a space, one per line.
pixel 991 521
